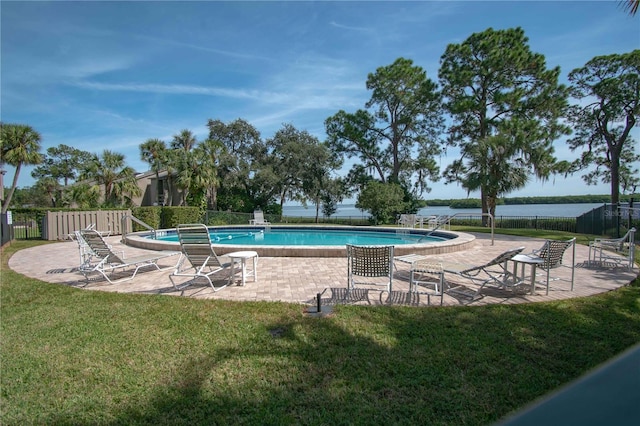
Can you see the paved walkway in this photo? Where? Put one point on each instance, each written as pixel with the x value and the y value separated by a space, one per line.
pixel 299 280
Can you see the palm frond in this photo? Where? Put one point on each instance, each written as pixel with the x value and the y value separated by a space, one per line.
pixel 630 6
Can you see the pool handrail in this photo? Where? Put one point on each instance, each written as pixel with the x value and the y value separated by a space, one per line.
pixel 489 215
pixel 139 222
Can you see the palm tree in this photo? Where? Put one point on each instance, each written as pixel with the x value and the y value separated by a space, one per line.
pixel 210 152
pixel 186 167
pixel 19 144
pixel 631 6
pixel 106 170
pixel 51 187
pixel 496 166
pixel 154 152
pixel 126 187
pixel 178 160
pixel 185 140
pixel 85 195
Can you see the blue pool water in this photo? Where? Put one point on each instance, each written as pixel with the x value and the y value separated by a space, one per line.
pixel 311 237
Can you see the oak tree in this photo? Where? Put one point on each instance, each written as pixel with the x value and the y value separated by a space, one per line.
pixel 608 91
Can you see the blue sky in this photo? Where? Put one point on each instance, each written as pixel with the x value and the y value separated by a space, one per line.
pixel 110 75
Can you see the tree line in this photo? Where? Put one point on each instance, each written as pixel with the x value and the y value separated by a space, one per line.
pixel 475 203
pixel 505 111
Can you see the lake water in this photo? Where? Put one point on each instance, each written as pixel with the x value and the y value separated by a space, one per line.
pixel 553 210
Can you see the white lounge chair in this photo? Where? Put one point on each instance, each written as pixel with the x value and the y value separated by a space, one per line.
pixel 437 222
pixel 87 256
pixel 103 234
pixel 427 277
pixel 108 261
pixel 199 260
pixel 408 220
pixel 258 218
pixel 494 272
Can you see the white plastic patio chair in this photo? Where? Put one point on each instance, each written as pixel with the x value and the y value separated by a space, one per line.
pixel 614 251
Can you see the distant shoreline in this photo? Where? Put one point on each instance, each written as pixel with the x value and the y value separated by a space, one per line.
pixel 567 199
pixel 474 203
pixel 569 210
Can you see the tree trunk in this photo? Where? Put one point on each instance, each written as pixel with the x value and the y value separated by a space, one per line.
pixel 107 193
pixel 169 201
pixel 491 205
pixel 615 177
pixel 7 200
pixel 485 208
pixel 283 196
pixel 214 197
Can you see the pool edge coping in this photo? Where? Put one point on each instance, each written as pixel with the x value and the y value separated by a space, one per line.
pixel 461 242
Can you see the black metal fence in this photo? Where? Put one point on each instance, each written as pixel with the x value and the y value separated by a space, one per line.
pixel 213 218
pixel 545 223
pixel 611 220
pixel 22 226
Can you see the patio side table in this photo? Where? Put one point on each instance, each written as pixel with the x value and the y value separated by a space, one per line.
pixel 243 256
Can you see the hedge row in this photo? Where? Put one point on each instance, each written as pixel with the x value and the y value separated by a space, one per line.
pixel 165 217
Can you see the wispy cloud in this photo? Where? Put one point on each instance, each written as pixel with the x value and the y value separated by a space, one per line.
pixel 183 89
pixel 228 53
pixel 303 86
pixel 348 27
pixel 45 71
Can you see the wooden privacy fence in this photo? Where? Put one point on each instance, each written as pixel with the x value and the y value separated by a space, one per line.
pixel 58 225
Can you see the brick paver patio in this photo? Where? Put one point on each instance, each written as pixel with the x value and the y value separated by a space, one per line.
pixel 299 280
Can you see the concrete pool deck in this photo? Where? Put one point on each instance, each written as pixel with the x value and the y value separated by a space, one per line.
pixel 299 280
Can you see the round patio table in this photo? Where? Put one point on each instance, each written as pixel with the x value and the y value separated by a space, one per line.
pixel 243 256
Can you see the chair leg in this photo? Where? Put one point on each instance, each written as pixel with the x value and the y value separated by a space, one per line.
pixel 548 277
pixel 573 265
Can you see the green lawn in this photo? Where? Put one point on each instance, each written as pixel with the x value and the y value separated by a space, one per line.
pixel 72 356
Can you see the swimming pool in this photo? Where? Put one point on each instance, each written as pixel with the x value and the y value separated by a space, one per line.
pixel 310 237
pixel 311 241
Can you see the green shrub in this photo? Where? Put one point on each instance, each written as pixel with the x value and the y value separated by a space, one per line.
pixel 152 216
pixel 173 216
pixel 383 201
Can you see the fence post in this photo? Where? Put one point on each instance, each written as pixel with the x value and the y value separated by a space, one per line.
pixel 618 219
pixel 6 228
